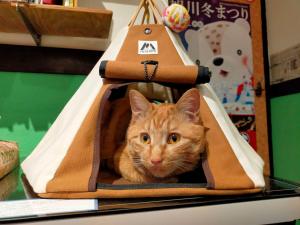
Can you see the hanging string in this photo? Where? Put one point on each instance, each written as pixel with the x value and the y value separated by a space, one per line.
pixel 147 5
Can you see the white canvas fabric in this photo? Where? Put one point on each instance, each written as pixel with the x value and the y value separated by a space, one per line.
pixel 43 162
pixel 248 158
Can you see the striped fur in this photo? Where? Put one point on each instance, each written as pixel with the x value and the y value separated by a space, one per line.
pixel 134 160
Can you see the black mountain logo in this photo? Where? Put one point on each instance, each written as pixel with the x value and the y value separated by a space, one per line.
pixel 148 46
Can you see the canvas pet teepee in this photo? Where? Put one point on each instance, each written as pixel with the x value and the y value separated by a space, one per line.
pixel 66 163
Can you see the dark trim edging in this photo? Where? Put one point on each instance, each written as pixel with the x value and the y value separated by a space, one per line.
pixel 285 88
pixel 267 82
pixel 18 58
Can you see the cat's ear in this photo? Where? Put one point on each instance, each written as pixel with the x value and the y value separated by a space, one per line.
pixel 139 104
pixel 189 104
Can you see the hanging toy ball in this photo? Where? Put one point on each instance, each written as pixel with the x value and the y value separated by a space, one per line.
pixel 176 17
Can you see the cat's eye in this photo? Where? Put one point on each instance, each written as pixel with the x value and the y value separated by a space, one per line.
pixel 173 138
pixel 145 138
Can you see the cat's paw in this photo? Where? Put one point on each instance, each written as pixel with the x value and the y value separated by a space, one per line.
pixel 171 180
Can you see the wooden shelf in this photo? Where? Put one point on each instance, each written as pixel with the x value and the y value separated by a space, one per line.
pixel 54 20
pixel 10 19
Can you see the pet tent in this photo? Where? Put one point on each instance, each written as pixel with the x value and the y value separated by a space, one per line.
pixel 67 161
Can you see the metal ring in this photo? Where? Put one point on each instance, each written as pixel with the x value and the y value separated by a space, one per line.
pixel 147 31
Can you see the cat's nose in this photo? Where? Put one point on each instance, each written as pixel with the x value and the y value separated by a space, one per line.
pixel 156 161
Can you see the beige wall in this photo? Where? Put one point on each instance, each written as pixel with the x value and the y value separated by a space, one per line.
pixel 122 10
pixel 283 21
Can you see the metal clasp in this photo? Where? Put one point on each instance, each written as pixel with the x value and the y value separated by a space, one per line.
pixel 149 62
pixel 258 89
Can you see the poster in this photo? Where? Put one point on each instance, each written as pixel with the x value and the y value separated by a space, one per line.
pixel 219 37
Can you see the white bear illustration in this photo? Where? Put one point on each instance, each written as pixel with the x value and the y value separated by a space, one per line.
pixel 226 48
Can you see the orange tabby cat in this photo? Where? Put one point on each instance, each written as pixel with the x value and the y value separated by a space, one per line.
pixel 163 140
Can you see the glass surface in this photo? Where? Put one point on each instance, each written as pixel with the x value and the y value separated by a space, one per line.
pixel 12 188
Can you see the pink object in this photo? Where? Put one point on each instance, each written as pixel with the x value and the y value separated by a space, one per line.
pixel 49 2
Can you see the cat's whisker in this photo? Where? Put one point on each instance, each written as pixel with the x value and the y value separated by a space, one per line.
pixel 137 162
pixel 180 166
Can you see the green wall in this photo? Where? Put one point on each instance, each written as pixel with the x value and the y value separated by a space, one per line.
pixel 285 119
pixel 29 103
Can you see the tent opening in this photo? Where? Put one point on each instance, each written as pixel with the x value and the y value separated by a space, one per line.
pixel 115 118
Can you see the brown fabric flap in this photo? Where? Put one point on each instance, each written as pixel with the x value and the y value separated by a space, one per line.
pixel 222 168
pixel 179 74
pixel 82 159
pixel 143 193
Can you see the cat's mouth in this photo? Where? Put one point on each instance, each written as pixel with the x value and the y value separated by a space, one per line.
pixel 159 171
pixel 157 168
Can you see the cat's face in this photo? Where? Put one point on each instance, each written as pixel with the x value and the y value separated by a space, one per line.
pixel 166 139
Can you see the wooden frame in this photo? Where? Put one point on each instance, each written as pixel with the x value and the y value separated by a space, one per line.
pixel 261 75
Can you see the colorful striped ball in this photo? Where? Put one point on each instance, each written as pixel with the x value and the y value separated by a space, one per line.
pixel 176 17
